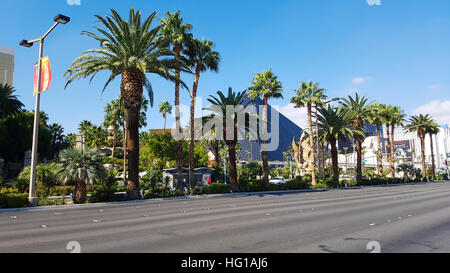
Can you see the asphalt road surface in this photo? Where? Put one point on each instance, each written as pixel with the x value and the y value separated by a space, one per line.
pixel 397 218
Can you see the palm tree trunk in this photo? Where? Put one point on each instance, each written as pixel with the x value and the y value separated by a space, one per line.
pixel 422 153
pixel 391 154
pixel 131 92
pixel 177 50
pixel 388 134
pixel 433 166
pixel 232 166
pixel 380 153
pixel 79 195
pixel 264 153
pixel 165 117
pixel 124 155
pixel 192 126
pixel 311 141
pixel 334 160
pixel 322 153
pixel 358 160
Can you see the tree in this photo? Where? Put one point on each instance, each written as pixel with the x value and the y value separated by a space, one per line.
pixel 115 118
pixel 201 56
pixel 334 123
pixel 84 125
pixel 267 86
pixel 130 49
pixel 220 106
pixel 58 138
pixel 307 95
pixel 80 166
pixel 358 110
pixel 376 117
pixel 395 117
pixel 164 109
pixel 175 33
pixel 420 124
pixel 9 103
pixel 432 129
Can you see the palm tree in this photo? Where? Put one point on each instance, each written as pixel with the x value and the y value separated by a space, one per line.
pixel 396 117
pixel 164 109
pixel 175 33
pixel 220 104
pixel 433 129
pixel 84 125
pixel 376 117
pixel 130 49
pixel 267 86
pixel 9 104
pixel 333 123
pixel 115 118
pixel 80 166
pixel 307 95
pixel 420 124
pixel 201 56
pixel 358 110
pixel 57 132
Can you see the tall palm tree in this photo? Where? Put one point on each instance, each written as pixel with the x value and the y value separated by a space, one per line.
pixel 57 132
pixel 80 166
pixel 376 117
pixel 201 56
pixel 115 118
pixel 267 86
pixel 9 103
pixel 420 124
pixel 130 49
pixel 396 117
pixel 164 109
pixel 84 125
pixel 219 107
pixel 333 123
pixel 175 33
pixel 433 129
pixel 358 110
pixel 307 95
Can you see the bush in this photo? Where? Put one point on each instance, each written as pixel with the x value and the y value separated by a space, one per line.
pixel 162 192
pixel 320 186
pixel 216 188
pixel 10 198
pixel 105 194
pixel 49 202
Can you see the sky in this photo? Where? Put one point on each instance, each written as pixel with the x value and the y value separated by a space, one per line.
pixel 393 51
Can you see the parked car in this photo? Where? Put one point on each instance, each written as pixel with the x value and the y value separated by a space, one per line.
pixel 277 180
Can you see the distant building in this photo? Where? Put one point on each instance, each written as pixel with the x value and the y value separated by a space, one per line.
pixel 6 65
pixel 345 145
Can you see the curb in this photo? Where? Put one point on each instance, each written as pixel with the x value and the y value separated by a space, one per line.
pixel 195 197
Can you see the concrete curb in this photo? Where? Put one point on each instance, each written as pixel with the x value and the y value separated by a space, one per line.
pixel 195 197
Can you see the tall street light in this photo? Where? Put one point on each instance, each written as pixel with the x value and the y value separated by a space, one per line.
pixel 317 134
pixel 59 19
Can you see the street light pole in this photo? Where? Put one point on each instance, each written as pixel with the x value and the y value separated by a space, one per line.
pixel 58 19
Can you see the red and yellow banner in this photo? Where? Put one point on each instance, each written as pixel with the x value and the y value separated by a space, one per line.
pixel 46 76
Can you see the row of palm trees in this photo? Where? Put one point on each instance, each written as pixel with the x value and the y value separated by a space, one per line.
pixel 132 49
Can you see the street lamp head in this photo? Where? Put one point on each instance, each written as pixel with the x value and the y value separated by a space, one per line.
pixel 61 19
pixel 25 43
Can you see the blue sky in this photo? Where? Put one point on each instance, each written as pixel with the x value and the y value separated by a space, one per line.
pixel 396 53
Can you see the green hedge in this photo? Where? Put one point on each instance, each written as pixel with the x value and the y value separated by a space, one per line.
pixel 216 188
pixel 10 198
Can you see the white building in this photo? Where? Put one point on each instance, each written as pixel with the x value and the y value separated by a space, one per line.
pixel 6 65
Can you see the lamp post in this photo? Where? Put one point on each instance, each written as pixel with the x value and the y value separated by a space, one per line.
pixel 59 19
pixel 317 134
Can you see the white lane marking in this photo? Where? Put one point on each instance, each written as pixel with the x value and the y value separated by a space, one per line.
pixel 373 224
pixel 43 226
pixel 57 213
pixel 268 214
pixel 409 215
pixel 13 217
pixel 96 221
pixel 101 210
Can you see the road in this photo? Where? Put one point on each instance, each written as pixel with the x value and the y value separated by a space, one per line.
pixel 401 218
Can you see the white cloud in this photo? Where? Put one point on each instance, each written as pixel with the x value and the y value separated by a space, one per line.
pixel 374 2
pixel 434 86
pixel 438 109
pixel 359 80
pixel 298 115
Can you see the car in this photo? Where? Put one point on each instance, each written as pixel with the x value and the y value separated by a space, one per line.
pixel 277 180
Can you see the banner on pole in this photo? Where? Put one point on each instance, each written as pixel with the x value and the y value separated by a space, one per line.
pixel 46 76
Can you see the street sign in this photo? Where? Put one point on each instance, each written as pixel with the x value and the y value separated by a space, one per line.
pixel 46 75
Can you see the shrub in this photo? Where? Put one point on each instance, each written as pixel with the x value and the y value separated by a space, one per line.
pixel 10 198
pixel 49 202
pixel 216 188
pixel 105 194
pixel 320 186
